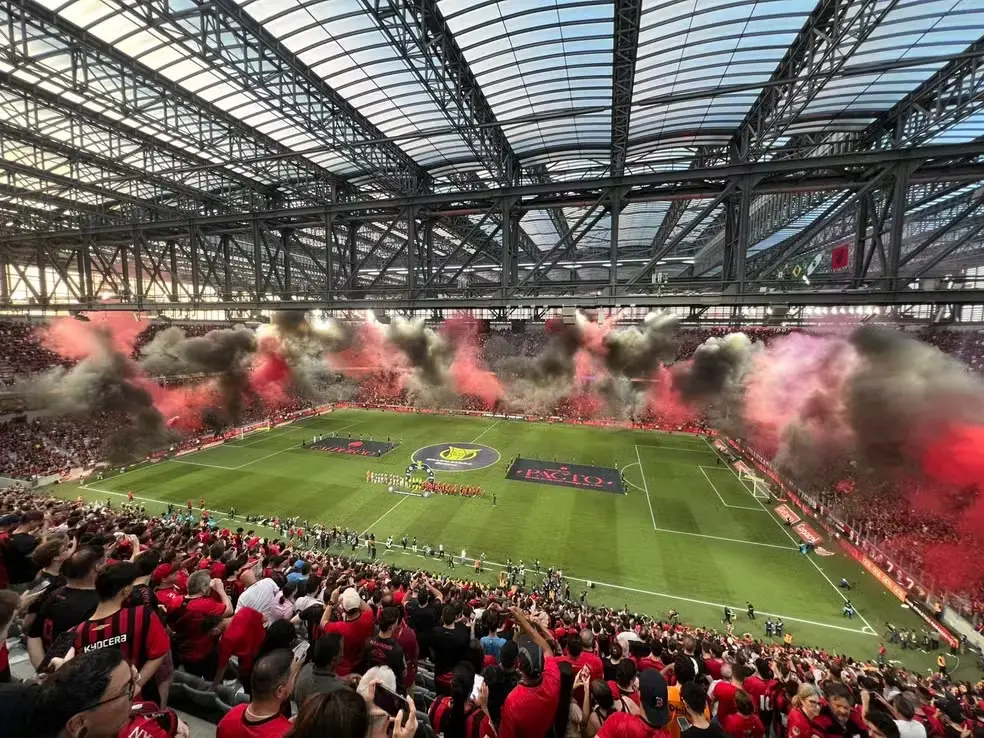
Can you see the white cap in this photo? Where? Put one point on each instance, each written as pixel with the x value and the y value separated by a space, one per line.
pixel 351 600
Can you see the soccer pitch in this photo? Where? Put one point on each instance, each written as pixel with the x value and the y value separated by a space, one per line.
pixel 687 535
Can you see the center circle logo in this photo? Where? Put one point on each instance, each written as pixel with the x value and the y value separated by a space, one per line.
pixel 456 457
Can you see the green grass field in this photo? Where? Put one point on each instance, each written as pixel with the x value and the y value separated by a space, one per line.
pixel 688 535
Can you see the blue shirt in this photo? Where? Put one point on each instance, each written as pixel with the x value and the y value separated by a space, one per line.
pixel 492 645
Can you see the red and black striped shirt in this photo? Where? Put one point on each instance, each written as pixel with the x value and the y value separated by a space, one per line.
pixel 136 631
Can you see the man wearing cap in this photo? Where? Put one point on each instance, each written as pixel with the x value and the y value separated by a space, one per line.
pixel 654 716
pixel 355 628
pixel 530 709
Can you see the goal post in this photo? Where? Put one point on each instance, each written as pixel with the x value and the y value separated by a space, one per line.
pixel 756 485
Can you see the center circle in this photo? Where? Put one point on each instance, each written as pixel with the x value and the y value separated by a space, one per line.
pixel 456 457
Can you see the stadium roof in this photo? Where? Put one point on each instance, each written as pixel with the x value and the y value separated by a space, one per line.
pixel 120 113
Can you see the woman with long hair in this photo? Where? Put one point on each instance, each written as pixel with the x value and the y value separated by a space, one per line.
pixel 460 716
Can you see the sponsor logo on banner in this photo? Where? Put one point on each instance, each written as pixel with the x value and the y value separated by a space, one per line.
pixel 804 531
pixel 456 456
pixel 788 514
pixel 213 444
pixel 821 551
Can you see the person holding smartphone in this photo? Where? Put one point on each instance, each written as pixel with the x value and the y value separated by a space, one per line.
pixel 465 713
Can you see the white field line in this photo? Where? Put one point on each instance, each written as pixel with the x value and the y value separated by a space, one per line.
pixel 672 448
pixel 609 585
pixel 645 484
pixel 736 507
pixel 678 598
pixel 789 535
pixel 486 430
pixel 374 524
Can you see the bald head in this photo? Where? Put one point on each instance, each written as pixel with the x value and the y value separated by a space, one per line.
pixel 587 639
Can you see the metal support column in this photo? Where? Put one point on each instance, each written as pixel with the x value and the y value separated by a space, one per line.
pixel 506 275
pixel 616 210
pixel 859 247
pixel 172 253
pixel 428 265
pixel 4 283
pixel 412 251
pixel 138 269
pixel 226 266
pixel 42 275
pixel 741 250
pixel 330 254
pixel 257 261
pixel 287 284
pixel 894 255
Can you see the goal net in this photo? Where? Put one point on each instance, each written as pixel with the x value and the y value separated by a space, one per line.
pixel 757 486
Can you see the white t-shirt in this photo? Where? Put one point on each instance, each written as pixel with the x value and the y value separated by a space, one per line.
pixel 261 597
pixel 911 729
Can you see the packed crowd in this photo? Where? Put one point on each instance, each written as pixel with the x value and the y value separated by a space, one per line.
pixel 115 603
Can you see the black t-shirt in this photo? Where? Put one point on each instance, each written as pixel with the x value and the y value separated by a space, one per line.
pixel 55 582
pixel 449 646
pixel 63 610
pixel 711 731
pixel 385 652
pixel 423 619
pixel 142 594
pixel 20 568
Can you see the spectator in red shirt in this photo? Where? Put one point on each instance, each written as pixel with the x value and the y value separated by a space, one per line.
pixel 760 687
pixel 744 723
pixel 459 714
pixel 623 688
pixel 272 684
pixel 655 713
pixel 805 710
pixel 533 706
pixel 197 623
pixel 723 692
pixel 580 653
pixel 355 628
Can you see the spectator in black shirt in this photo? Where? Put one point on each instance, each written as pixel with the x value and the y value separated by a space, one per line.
pixel 449 644
pixel 501 679
pixel 142 592
pixel 424 614
pixel 48 557
pixel 382 649
pixel 20 545
pixel 68 606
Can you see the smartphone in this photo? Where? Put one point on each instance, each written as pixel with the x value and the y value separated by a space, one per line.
pixel 300 650
pixel 39 587
pixel 683 724
pixel 388 701
pixel 479 681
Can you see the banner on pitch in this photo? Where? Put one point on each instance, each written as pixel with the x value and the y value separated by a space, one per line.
pixel 787 513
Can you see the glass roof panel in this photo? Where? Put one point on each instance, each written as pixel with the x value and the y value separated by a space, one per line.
pixel 694 45
pixel 533 58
